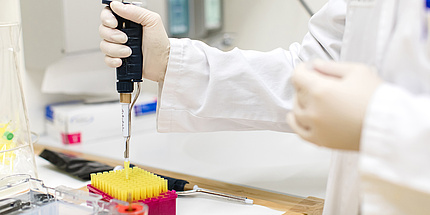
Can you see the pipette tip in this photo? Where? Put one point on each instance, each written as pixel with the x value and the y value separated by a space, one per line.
pixel 126 167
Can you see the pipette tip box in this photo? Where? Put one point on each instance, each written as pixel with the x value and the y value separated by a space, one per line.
pixel 141 186
pixel 77 122
pixel 164 204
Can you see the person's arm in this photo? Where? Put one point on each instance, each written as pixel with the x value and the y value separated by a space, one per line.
pixel 209 90
pixel 395 150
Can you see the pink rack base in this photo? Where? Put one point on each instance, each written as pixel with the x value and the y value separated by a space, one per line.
pixel 164 204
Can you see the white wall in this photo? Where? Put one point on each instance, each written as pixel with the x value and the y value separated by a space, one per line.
pixel 267 24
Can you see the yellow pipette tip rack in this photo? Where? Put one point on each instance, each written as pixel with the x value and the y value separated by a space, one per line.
pixel 140 183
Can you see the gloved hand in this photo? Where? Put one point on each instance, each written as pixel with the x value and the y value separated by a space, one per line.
pixel 331 101
pixel 156 45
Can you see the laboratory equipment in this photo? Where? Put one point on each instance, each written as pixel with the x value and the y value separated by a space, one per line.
pixel 213 14
pixel 16 149
pixel 141 186
pixel 179 24
pixel 197 190
pixel 78 122
pixel 194 19
pixel 131 209
pixel 306 7
pixel 129 73
pixel 22 194
pixel 182 189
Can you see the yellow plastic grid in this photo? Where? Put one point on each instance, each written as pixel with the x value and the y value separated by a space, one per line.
pixel 140 183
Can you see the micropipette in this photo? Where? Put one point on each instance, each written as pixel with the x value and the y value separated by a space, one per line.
pixel 127 74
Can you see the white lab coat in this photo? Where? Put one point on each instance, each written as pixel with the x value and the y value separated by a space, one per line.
pixel 209 90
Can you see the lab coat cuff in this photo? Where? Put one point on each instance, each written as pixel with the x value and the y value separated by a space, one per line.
pixel 376 125
pixel 168 88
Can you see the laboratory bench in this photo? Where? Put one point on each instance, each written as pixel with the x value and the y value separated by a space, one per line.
pixel 281 178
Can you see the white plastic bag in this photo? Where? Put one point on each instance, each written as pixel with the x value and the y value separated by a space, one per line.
pixel 16 149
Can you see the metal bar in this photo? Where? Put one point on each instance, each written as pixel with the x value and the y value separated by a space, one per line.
pixel 307 8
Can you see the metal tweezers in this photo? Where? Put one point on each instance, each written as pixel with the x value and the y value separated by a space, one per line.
pixel 11 205
pixel 197 190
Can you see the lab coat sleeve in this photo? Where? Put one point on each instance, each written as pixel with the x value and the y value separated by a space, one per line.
pixel 395 152
pixel 206 89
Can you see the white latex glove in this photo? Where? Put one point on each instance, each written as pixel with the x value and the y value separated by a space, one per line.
pixel 156 45
pixel 331 101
